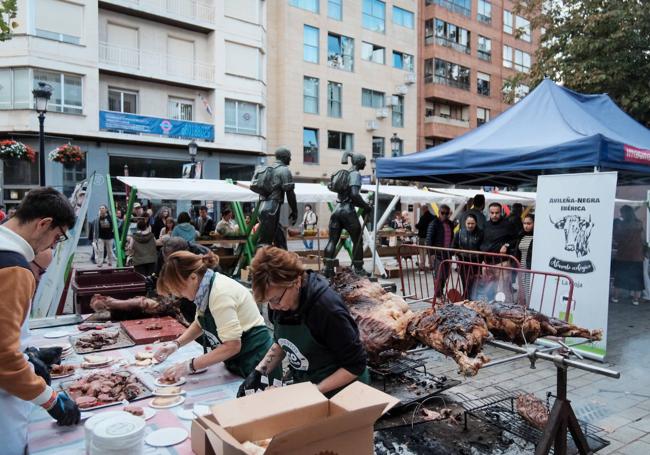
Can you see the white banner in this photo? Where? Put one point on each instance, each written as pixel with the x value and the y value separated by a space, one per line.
pixel 52 284
pixel 573 237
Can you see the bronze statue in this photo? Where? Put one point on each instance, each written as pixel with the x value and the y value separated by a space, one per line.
pixel 272 183
pixel 347 183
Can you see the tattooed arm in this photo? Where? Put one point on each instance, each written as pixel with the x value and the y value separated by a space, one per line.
pixel 271 360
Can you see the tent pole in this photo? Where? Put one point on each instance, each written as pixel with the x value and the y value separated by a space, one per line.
pixel 116 232
pixel 374 226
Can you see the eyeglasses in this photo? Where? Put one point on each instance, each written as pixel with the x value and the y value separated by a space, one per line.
pixel 63 237
pixel 41 269
pixel 276 300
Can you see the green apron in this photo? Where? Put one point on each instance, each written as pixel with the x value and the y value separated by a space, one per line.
pixel 308 359
pixel 255 343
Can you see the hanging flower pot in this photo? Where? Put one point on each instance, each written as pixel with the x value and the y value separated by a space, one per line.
pixel 67 154
pixel 14 150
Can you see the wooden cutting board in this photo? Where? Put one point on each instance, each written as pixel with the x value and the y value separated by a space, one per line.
pixel 141 331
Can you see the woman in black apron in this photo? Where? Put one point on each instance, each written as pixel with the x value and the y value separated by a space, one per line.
pixel 311 325
pixel 227 316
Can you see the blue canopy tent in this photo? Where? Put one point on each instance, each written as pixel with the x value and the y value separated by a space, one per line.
pixel 551 130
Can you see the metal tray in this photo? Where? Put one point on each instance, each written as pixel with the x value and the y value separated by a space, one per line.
pixel 146 391
pixel 123 341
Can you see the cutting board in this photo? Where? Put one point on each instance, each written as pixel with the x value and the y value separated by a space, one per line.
pixel 138 331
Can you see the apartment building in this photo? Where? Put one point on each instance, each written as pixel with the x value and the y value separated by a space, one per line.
pixel 468 49
pixel 134 81
pixel 341 76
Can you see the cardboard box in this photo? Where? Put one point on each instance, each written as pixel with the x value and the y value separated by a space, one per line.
pixel 298 418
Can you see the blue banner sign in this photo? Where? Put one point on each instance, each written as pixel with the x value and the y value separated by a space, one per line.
pixel 132 123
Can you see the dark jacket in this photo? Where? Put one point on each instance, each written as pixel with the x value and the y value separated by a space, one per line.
pixel 478 214
pixel 157 226
pixel 323 312
pixel 436 233
pixel 423 224
pixel 205 227
pixel 517 224
pixel 97 231
pixel 495 235
pixel 144 248
pixel 465 240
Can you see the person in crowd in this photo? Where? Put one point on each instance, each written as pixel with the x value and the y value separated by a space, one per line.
pixel 397 222
pixel 422 226
pixel 406 220
pixel 499 235
pixel 468 238
pixel 227 224
pixel 41 221
pixel 166 231
pixel 142 246
pixel 137 214
pixel 477 207
pixel 101 236
pixel 629 237
pixel 311 325
pixel 204 223
pixel 440 234
pixel 225 312
pixel 524 251
pixel 184 228
pixel 160 220
pixel 515 216
pixel 309 223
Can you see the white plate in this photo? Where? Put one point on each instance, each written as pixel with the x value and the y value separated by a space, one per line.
pixel 180 401
pixel 201 410
pixel 148 413
pixel 186 414
pixel 56 334
pixel 65 346
pixel 166 437
pixel 181 381
pixel 162 394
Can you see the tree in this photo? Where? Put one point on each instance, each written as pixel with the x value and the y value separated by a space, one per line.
pixel 7 15
pixel 594 46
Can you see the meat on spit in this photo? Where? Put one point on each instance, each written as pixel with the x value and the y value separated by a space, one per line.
pixel 520 325
pixel 532 409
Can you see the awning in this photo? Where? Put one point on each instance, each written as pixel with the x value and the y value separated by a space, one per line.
pixel 307 192
pixel 189 189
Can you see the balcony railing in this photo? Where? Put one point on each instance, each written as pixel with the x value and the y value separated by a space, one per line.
pixel 184 10
pixel 484 19
pixel 446 120
pixel 484 55
pixel 443 41
pixel 154 64
pixel 453 7
pixel 435 79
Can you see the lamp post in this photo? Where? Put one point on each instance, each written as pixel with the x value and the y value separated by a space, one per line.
pixel 395 145
pixel 41 95
pixel 193 149
pixel 375 209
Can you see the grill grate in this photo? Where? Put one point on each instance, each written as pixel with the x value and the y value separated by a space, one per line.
pixel 500 410
pixel 398 366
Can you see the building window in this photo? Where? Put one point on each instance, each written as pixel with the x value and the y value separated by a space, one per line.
pixel 309 5
pixel 374 15
pixel 450 35
pixel 340 52
pixel 373 53
pixel 446 112
pixel 242 118
pixel 340 141
pixel 447 73
pixel 403 17
pixel 403 61
pixel 122 101
pixel 523 28
pixel 66 91
pixel 15 88
pixel 522 61
pixel 378 147
pixel 398 111
pixel 463 7
pixel 59 20
pixel 484 48
pixel 72 175
pixel 507 56
pixel 310 46
pixel 482 116
pixel 483 84
pixel 334 99
pixel 310 95
pixel 372 98
pixel 399 150
pixel 310 145
pixel 335 9
pixel 507 21
pixel 180 109
pixel 484 13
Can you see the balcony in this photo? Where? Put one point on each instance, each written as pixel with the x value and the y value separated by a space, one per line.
pixel 484 19
pixel 435 79
pixel 452 6
pixel 445 120
pixel 443 41
pixel 193 14
pixel 157 66
pixel 484 55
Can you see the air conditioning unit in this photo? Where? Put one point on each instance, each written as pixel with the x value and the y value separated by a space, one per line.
pixel 409 78
pixel 391 101
pixel 372 125
pixel 401 89
pixel 382 112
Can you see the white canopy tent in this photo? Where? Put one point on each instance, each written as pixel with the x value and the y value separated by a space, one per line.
pixel 189 189
pixel 307 192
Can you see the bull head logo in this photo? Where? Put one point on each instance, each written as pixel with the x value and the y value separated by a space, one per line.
pixel 576 233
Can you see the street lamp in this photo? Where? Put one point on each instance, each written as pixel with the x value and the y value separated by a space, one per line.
pixel 193 149
pixel 395 145
pixel 41 95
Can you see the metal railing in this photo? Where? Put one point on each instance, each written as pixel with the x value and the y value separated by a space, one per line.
pixel 484 55
pixel 484 19
pixel 453 7
pixel 184 10
pixel 434 78
pixel 444 41
pixel 154 63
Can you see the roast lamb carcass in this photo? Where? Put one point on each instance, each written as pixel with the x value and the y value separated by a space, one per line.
pixel 532 409
pixel 520 325
pixel 455 331
pixel 382 317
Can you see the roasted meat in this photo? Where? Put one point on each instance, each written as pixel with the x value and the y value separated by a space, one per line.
pixel 104 387
pixel 520 325
pixel 135 410
pixel 97 340
pixel 382 317
pixel 532 409
pixel 85 402
pixel 455 331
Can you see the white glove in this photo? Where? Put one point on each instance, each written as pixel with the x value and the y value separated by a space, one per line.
pixel 178 371
pixel 165 351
